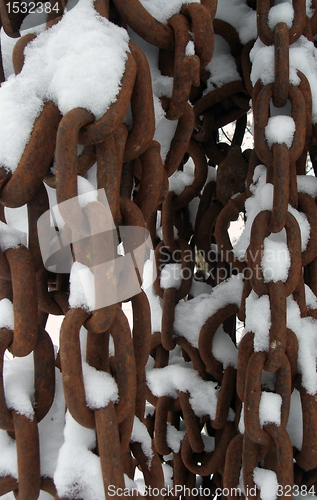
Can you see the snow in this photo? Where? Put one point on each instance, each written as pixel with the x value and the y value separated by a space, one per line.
pixel 82 287
pixel 310 297
pixel 224 349
pixel 86 192
pixel 6 314
pixel 276 261
pixel 17 218
pixel 174 437
pixel 258 320
pixel 190 316
pixel 270 408
pixel 182 178
pixel 302 57
pixel 241 427
pixel 222 67
pixel 266 481
pixel 209 443
pixel 140 435
pixel 295 421
pixel 305 330
pixel 164 134
pixel 171 276
pixel 19 384
pixel 262 199
pixel 68 64
pixel 100 387
pixel 240 16
pixel 280 129
pixel 200 288
pixel 282 13
pixel 307 184
pixel 154 300
pixel 168 475
pixel 168 380
pixel 78 471
pixel 11 237
pixel 190 48
pixel 19 391
pixel 162 10
pixel 303 226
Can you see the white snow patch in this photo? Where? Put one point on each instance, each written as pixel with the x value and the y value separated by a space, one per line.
pixel 82 287
pixel 276 261
pixel 171 276
pixel 280 129
pixel 182 178
pixel 168 380
pixel 11 237
pixel 222 67
pixel 240 16
pixel 282 13
pixel 270 408
pixel 162 10
pixel 190 316
pixel 68 64
pixel 258 320
pixel 140 435
pixel 6 314
pixel 174 437
pixel 266 481
pixel 100 387
pixel 224 349
pixel 78 472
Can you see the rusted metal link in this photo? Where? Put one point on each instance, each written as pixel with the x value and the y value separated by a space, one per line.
pixel 275 357
pixel 203 31
pixel 206 336
pixel 18 52
pixel 228 384
pixel 281 66
pixel 143 127
pixel 27 441
pixel 142 344
pixel 233 461
pixel 281 188
pixel 35 161
pixel 196 153
pixel 186 68
pixel 284 455
pixel 298 25
pixel 307 457
pixel 260 231
pixel 160 430
pixel 73 382
pixel 24 305
pixel 168 316
pixel 144 24
pixel 261 117
pixel 6 422
pixel 192 423
pixel 252 396
pixel 210 462
pixel 233 208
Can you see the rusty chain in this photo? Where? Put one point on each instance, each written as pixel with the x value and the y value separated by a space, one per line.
pixel 196 407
